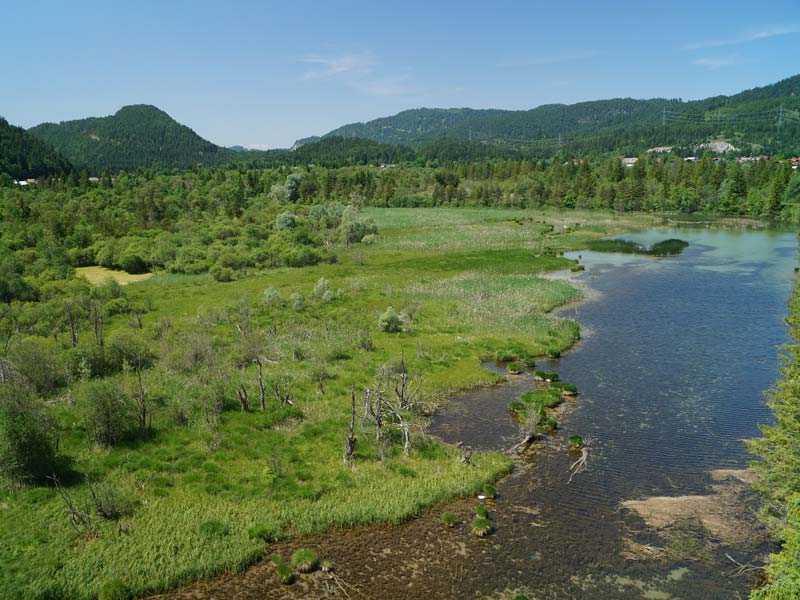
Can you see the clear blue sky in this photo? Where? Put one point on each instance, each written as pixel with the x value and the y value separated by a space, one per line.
pixel 266 73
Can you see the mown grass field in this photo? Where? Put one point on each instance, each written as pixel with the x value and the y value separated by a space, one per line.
pixel 467 277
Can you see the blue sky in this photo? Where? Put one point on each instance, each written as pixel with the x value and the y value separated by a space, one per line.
pixel 266 73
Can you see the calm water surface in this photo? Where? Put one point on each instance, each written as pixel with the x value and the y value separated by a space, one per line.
pixel 675 358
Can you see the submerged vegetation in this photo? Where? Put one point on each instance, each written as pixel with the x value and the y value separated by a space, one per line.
pixel 669 247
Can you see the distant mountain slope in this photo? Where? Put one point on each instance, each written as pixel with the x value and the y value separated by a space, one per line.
pixel 768 117
pixel 139 135
pixel 23 156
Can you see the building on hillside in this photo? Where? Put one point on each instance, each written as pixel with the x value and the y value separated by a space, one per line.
pixel 744 159
pixel 94 179
pixel 660 150
pixel 691 159
pixel 796 162
pixel 628 162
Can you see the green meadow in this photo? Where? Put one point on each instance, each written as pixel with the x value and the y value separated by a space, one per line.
pixel 211 485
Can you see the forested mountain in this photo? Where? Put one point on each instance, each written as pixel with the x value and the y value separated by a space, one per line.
pixel 765 119
pixel 23 155
pixel 135 136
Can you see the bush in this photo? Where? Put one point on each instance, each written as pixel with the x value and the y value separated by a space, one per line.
pixel 515 367
pixel 109 413
pixel 576 442
pixel 221 274
pixel 489 491
pixel 285 221
pixel 481 511
pixel 449 520
pixel 268 533
pixel 305 560
pixel 38 359
pixel 298 302
pixel 322 288
pixel 27 437
pixel 271 297
pixel 390 321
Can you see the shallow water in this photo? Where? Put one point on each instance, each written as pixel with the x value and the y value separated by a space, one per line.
pixel 671 376
pixel 675 357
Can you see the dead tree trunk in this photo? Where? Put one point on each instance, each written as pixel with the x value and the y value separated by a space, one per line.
pixel 350 447
pixel 262 388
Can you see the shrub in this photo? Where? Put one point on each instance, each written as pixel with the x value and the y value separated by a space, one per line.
pixel 481 527
pixel 489 491
pixel 390 321
pixel 305 560
pixel 285 221
pixel 322 287
pixel 449 520
pixel 271 297
pixel 109 413
pixel 117 306
pixel 546 376
pixel 27 440
pixel 516 406
pixel 38 359
pixel 297 301
pixel 481 511
pixel 221 274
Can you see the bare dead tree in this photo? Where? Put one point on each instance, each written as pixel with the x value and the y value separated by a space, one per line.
pixel 79 517
pixel 527 426
pixel 373 413
pixel 350 445
pixel 283 388
pixel 72 316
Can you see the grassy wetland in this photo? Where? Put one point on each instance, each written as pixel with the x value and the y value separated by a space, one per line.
pixel 189 476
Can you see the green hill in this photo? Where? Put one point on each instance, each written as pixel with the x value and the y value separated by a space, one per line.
pixel 23 155
pixel 765 119
pixel 135 136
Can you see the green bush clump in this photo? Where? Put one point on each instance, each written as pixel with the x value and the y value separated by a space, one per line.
pixel 481 511
pixel 515 368
pixel 305 560
pixel 212 529
pixel 489 491
pixel 449 520
pixel 576 442
pixel 567 388
pixel 553 352
pixel 577 268
pixel 548 424
pixel 283 571
pixel 527 360
pixel 546 376
pixel 504 356
pixel 547 398
pixel 481 527
pixel 516 406
pixel 391 321
pixel 27 437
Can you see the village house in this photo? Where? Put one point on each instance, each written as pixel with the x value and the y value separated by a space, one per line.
pixel 628 162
